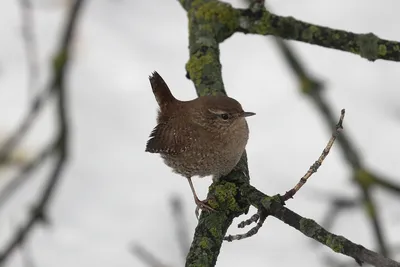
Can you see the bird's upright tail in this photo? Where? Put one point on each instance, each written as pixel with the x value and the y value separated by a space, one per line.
pixel 161 91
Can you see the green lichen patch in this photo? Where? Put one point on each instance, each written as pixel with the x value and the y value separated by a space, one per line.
pixel 221 17
pixel 368 46
pixel 309 227
pixel 382 50
pixel 260 26
pixel 336 243
pixel 202 68
pixel 215 233
pixel 196 64
pixel 310 33
pixel 204 243
pixel 336 36
pixel 225 195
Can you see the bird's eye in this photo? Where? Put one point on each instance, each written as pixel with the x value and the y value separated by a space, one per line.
pixel 224 116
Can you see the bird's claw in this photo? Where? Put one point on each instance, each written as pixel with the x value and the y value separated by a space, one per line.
pixel 202 205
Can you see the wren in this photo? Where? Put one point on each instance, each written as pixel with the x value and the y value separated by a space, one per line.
pixel 202 137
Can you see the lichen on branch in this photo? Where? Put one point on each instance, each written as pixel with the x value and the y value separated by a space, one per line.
pixel 368 45
pixel 220 20
pixel 210 23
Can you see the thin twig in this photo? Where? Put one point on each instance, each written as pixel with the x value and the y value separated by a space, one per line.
pixel 314 88
pixel 289 194
pixel 253 219
pixel 314 168
pixel 261 215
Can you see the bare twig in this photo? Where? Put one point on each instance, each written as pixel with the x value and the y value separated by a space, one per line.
pixel 289 194
pixel 253 219
pixel 260 216
pixel 314 168
pixel 314 89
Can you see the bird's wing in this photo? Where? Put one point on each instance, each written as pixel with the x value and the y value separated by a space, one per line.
pixel 171 138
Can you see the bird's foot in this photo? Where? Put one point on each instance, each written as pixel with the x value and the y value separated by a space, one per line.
pixel 202 205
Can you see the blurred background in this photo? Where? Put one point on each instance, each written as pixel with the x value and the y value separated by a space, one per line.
pixel 115 204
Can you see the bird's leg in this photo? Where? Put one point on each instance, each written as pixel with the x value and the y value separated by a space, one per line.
pixel 201 204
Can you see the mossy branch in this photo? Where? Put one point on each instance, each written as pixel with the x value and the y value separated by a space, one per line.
pixel 220 20
pixel 368 45
pixel 339 244
pixel 204 69
pixel 210 23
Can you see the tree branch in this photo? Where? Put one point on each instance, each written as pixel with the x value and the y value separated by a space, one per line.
pixel 363 178
pixel 224 20
pixel 368 45
pixel 310 228
pixel 210 23
pixel 204 69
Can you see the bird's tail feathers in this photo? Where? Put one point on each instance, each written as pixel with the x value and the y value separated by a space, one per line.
pixel 161 90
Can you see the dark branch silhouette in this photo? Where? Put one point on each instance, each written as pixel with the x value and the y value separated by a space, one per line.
pixel 38 214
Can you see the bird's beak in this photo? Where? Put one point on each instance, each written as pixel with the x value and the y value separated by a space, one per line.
pixel 248 114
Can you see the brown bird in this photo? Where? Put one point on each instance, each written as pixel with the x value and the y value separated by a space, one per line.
pixel 201 137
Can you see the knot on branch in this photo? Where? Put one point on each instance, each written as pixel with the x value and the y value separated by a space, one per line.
pixel 368 44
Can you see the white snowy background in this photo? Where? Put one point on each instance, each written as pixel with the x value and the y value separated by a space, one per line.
pixel 114 194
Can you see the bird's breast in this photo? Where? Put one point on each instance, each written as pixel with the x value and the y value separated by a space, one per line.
pixel 211 153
